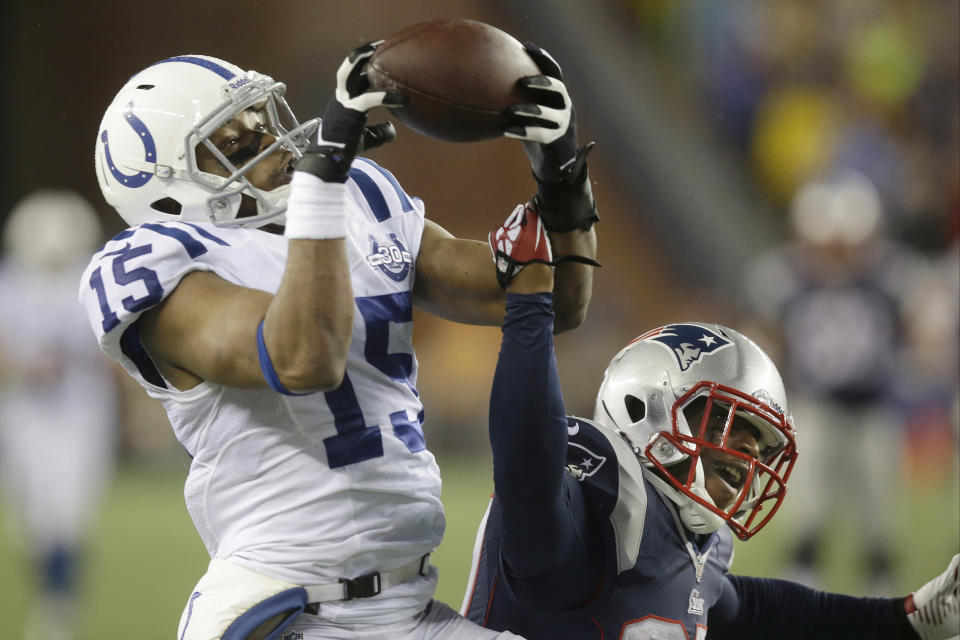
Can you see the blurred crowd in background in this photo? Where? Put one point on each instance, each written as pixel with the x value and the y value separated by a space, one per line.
pixel 842 120
pixel 845 118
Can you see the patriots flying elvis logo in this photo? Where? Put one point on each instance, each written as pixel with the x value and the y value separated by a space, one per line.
pixel 689 343
pixel 583 462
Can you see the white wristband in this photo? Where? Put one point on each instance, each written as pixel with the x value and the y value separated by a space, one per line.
pixel 316 210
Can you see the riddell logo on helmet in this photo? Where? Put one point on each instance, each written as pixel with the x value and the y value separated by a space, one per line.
pixel 763 396
pixel 239 83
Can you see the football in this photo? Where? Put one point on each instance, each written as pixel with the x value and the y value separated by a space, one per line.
pixel 457 75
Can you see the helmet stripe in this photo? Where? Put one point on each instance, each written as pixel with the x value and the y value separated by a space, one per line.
pixel 220 70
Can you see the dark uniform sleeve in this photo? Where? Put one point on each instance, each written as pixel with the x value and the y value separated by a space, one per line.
pixel 764 608
pixel 546 549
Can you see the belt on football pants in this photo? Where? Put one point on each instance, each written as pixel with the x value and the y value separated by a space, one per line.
pixel 365 586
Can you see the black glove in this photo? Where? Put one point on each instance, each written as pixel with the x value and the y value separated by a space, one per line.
pixel 549 133
pixel 343 131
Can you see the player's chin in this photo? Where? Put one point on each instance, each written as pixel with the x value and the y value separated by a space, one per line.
pixel 285 174
pixel 721 491
pixel 279 174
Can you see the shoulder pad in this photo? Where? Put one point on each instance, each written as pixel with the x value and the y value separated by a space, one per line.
pixel 137 269
pixel 380 195
pixel 600 447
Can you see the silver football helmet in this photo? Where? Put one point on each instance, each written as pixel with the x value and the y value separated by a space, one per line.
pixel 659 394
pixel 145 154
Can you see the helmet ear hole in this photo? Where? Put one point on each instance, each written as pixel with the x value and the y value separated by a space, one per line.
pixel 636 408
pixel 166 205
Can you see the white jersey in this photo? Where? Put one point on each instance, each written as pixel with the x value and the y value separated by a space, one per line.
pixel 311 488
pixel 41 331
pixel 58 407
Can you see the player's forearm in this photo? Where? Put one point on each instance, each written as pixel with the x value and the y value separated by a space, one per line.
pixel 573 281
pixel 763 608
pixel 543 518
pixel 308 324
pixel 455 280
pixel 527 420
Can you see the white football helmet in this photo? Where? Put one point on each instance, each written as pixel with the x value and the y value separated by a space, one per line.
pixel 50 230
pixel 843 208
pixel 647 396
pixel 146 145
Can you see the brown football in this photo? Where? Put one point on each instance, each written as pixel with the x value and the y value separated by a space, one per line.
pixel 458 76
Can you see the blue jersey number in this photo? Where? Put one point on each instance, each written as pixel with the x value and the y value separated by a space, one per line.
pixel 124 276
pixel 355 441
pixel 382 315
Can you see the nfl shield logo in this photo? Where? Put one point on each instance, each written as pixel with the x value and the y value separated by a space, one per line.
pixel 696 603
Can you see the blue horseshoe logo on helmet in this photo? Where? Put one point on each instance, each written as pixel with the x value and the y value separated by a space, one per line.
pixel 149 151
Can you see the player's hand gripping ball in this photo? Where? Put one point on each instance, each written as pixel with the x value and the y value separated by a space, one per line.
pixel 459 77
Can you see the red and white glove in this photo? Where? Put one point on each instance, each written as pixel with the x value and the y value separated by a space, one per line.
pixel 519 241
pixel 934 609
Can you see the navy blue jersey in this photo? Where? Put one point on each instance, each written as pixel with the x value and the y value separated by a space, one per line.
pixel 842 331
pixel 577 544
pixel 636 524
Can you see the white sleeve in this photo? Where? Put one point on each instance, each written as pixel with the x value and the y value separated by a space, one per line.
pixel 133 272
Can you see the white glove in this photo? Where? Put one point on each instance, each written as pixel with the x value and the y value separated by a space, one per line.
pixel 353 89
pixel 934 609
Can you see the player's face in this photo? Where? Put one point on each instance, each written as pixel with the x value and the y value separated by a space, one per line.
pixel 240 140
pixel 724 474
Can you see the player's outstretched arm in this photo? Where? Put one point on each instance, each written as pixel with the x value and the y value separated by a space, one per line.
pixel 454 279
pixel 548 130
pixel 760 608
pixel 528 431
pixel 296 340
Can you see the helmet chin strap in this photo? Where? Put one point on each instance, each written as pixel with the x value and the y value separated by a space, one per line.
pixel 694 515
pixel 274 200
pixel 698 518
pixel 225 209
pixel 688 516
pixel 699 560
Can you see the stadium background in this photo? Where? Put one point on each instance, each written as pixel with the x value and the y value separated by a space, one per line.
pixel 696 161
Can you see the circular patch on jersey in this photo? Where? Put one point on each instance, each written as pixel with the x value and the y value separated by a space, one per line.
pixel 391 258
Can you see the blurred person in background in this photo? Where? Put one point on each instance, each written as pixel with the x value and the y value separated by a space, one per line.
pixel 58 402
pixel 930 381
pixel 834 301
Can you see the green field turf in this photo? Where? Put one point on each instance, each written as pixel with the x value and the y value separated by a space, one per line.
pixel 146 555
